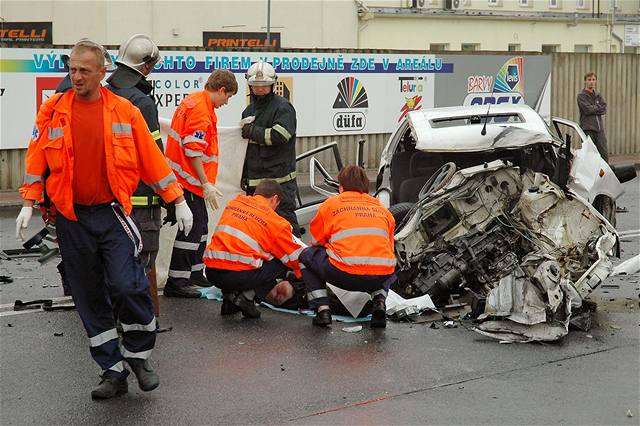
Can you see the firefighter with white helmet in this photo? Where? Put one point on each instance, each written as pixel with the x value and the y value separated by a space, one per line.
pixel 271 153
pixel 136 59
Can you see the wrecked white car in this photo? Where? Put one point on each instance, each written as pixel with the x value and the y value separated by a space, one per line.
pixel 492 210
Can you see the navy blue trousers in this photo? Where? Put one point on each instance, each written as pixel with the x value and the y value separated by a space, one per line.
pixel 261 280
pixel 318 271
pixel 107 282
pixel 186 257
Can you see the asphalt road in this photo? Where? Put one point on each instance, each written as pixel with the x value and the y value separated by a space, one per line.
pixel 280 369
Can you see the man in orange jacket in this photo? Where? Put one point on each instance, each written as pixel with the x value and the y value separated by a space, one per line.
pixel 192 152
pixel 352 236
pixel 92 176
pixel 251 247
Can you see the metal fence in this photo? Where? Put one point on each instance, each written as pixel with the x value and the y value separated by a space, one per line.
pixel 618 80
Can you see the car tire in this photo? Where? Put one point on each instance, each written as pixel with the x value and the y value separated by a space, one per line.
pixel 399 212
pixel 438 180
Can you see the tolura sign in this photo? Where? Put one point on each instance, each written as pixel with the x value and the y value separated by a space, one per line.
pixel 25 32
pixel 239 39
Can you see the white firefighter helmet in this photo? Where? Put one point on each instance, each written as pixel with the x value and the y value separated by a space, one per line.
pixel 261 74
pixel 137 52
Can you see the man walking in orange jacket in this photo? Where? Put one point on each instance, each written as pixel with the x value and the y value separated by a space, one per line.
pixel 92 177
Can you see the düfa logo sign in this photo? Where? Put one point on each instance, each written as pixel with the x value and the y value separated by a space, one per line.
pixel 351 95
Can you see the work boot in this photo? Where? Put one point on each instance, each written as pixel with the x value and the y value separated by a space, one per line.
pixel 110 387
pixel 199 280
pixel 247 306
pixel 322 318
pixel 148 379
pixel 379 314
pixel 228 307
pixel 188 291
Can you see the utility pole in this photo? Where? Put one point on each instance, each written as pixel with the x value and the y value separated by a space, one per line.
pixel 269 23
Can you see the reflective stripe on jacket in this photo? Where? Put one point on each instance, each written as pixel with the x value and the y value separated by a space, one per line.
pixel 127 140
pixel 250 232
pixel 358 233
pixel 193 133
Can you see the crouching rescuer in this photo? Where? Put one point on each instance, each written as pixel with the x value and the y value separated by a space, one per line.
pixel 251 247
pixel 352 248
pixel 97 147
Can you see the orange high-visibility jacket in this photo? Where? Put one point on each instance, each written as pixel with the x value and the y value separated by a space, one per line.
pixel 248 233
pixel 358 233
pixel 131 154
pixel 193 133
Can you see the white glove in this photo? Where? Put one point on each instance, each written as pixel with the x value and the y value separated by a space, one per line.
pixel 184 217
pixel 22 221
pixel 247 120
pixel 211 194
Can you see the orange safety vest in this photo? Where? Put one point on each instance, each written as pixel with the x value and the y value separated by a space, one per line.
pixel 358 233
pixel 193 133
pixel 131 154
pixel 250 232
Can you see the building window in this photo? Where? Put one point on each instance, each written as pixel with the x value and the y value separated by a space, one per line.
pixel 469 47
pixel 514 47
pixel 523 3
pixel 554 4
pixel 438 47
pixel 494 2
pixel 582 48
pixel 550 48
pixel 581 4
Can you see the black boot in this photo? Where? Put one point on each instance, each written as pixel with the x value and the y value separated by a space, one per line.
pixel 379 314
pixel 110 387
pixel 322 318
pixel 148 379
pixel 246 305
pixel 186 291
pixel 228 307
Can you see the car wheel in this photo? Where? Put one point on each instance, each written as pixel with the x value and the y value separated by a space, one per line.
pixel 438 180
pixel 399 212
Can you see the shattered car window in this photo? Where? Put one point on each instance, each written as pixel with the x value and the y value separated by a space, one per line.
pixel 439 123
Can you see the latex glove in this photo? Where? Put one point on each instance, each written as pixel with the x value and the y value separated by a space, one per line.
pixel 211 194
pixel 247 131
pixel 184 217
pixel 22 221
pixel 247 120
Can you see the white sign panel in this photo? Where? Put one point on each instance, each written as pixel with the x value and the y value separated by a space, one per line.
pixel 333 93
pixel 632 35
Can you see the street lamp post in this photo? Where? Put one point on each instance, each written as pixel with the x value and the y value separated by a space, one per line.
pixel 269 23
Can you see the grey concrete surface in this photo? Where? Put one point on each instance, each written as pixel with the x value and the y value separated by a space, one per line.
pixel 280 369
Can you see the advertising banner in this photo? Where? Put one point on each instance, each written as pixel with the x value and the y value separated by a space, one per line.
pixel 333 93
pixel 25 32
pixel 239 39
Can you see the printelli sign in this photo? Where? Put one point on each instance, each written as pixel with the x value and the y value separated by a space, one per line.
pixel 333 93
pixel 239 39
pixel 25 32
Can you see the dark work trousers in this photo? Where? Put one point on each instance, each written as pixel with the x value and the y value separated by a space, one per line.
pixel 287 206
pixel 600 141
pixel 106 279
pixel 149 220
pixel 318 271
pixel 186 258
pixel 262 280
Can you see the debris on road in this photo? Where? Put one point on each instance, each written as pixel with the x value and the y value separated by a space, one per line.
pixel 354 329
pixel 58 334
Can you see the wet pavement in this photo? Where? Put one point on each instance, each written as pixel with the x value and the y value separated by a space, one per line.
pixel 280 369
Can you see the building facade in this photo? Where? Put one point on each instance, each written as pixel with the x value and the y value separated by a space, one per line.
pixel 469 25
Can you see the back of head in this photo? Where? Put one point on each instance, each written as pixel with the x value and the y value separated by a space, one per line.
pixel 354 178
pixel 261 74
pixel 268 188
pixel 137 52
pixel 222 78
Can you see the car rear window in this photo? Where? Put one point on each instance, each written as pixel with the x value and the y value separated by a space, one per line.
pixel 504 118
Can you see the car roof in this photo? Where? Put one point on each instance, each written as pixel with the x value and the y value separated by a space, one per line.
pixel 451 129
